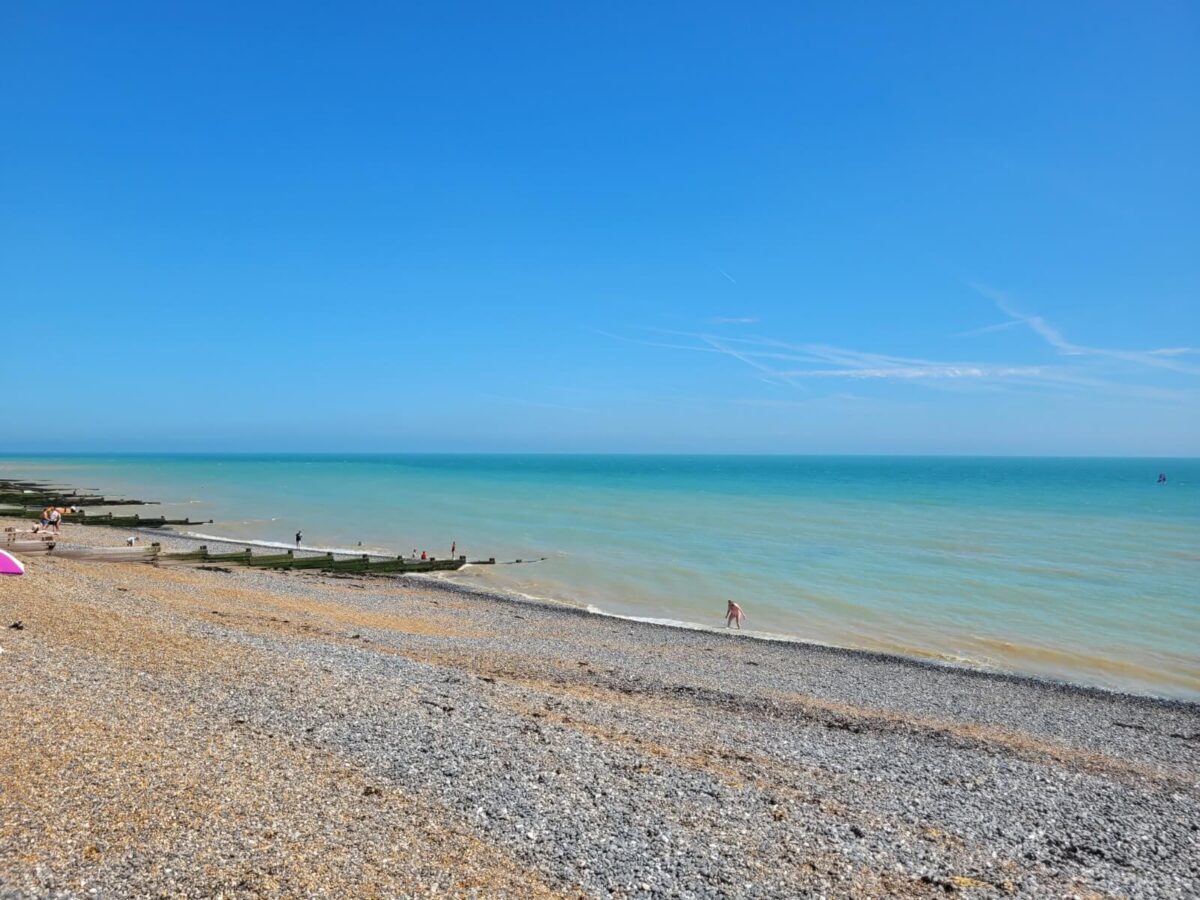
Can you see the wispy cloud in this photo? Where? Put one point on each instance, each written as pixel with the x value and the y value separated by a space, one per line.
pixel 1083 368
pixel 748 358
pixel 1161 358
pixel 733 320
pixel 766 356
pixel 727 275
pixel 765 370
pixel 1174 351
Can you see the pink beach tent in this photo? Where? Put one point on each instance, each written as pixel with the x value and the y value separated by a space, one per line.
pixel 10 565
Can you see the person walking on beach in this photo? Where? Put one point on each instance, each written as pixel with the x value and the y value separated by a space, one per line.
pixel 453 549
pixel 55 519
pixel 734 613
pixel 299 535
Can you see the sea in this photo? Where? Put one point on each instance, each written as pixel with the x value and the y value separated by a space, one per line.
pixel 1080 570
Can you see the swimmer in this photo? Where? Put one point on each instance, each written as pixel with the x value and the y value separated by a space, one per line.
pixel 734 613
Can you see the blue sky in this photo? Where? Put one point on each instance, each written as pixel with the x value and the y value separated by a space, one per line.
pixel 759 227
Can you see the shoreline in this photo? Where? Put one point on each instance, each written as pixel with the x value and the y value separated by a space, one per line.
pixel 748 634
pixel 532 749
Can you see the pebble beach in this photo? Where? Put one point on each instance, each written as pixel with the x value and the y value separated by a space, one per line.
pixel 182 731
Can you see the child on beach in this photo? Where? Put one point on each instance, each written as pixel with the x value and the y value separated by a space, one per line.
pixel 734 613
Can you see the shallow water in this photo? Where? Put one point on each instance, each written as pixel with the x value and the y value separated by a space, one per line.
pixel 1082 569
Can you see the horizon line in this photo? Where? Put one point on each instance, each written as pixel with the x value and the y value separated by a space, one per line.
pixel 5 455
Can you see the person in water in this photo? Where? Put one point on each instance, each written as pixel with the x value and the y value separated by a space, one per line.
pixel 734 613
pixel 299 535
pixel 453 549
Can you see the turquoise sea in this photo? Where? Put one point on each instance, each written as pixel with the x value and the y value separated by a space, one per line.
pixel 1078 569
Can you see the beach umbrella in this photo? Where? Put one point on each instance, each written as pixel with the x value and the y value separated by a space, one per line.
pixel 10 565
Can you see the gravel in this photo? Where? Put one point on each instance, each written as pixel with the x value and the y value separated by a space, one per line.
pixel 182 732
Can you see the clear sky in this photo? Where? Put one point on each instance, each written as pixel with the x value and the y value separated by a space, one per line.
pixel 765 227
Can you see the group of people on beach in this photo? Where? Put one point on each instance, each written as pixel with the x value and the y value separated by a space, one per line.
pixel 51 518
pixel 424 555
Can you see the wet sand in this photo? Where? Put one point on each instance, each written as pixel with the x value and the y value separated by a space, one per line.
pixel 188 732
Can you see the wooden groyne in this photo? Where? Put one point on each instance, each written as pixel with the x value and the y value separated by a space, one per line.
pixel 327 562
pixel 82 518
pixel 39 495
pixel 27 499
